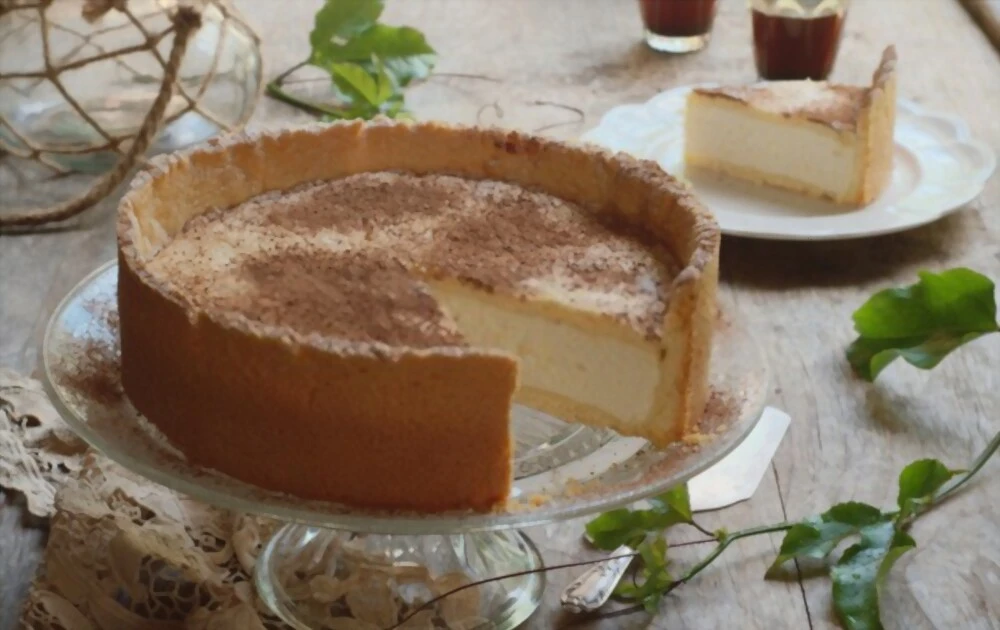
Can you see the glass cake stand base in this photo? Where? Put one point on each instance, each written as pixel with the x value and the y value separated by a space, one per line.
pixel 312 576
pixel 338 567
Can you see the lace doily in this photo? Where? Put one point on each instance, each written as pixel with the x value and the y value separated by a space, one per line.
pixel 126 554
pixel 122 553
pixel 37 451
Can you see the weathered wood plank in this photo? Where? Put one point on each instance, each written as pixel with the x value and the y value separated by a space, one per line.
pixel 559 65
pixel 986 13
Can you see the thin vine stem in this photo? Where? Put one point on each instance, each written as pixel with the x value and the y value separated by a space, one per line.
pixel 275 90
pixel 951 487
pixel 723 544
pixel 701 529
pixel 691 543
pixel 946 491
pixel 464 75
pixel 554 567
pixel 290 71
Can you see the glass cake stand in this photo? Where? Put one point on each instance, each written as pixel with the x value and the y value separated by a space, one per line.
pixel 327 560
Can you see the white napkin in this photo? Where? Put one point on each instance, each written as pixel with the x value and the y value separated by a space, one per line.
pixel 736 477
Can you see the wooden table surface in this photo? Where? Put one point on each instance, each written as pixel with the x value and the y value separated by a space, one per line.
pixel 986 13
pixel 542 62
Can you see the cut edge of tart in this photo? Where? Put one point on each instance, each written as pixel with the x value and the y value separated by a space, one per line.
pixel 393 425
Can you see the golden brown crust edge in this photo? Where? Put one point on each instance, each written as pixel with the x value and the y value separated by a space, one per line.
pixel 289 419
pixel 214 422
pixel 876 127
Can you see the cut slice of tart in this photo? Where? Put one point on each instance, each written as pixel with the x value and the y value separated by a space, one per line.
pixel 347 312
pixel 822 139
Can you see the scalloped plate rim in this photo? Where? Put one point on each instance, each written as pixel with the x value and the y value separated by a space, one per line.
pixel 957 194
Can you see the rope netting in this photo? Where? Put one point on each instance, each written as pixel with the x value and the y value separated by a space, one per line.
pixel 185 18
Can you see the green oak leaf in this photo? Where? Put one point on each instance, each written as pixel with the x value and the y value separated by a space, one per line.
pixel 627 590
pixel 918 483
pixel 369 63
pixel 809 540
pixel 612 529
pixel 655 584
pixel 370 94
pixel 869 357
pixel 338 21
pixel 394 107
pixel 854 513
pixel 655 578
pixel 654 552
pixel 924 322
pixel 404 52
pixel 676 500
pixel 354 81
pixel 817 536
pixel 386 89
pixel 859 575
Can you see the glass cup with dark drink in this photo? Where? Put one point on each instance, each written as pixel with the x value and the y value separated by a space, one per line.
pixel 677 26
pixel 796 39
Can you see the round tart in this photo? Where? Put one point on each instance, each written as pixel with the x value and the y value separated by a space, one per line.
pixel 348 312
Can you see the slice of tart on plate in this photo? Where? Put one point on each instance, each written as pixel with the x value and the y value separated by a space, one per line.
pixel 347 312
pixel 822 139
pixel 936 163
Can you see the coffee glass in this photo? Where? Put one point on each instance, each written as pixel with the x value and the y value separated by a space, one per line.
pixel 677 26
pixel 797 39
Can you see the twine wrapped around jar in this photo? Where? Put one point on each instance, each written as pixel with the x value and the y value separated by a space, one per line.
pixel 73 58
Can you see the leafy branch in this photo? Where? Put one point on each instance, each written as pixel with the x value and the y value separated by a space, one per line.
pixel 857 577
pixel 369 63
pixel 881 537
pixel 922 324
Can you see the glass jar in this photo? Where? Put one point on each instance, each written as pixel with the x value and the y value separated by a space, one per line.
pixel 76 83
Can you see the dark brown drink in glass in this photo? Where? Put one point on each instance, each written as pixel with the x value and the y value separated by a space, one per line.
pixel 678 25
pixel 789 48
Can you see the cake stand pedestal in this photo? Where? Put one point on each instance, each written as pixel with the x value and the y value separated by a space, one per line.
pixel 336 567
pixel 397 574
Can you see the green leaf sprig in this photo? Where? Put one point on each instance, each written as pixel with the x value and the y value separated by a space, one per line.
pixel 642 531
pixel 857 577
pixel 369 63
pixel 924 322
pixel 881 537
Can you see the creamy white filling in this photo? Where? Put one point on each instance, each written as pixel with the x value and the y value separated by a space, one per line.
pixel 594 371
pixel 806 153
pixel 559 357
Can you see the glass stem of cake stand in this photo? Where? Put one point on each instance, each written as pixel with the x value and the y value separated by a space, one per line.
pixel 310 576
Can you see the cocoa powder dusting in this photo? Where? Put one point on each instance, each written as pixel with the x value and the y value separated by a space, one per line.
pixel 720 409
pixel 837 105
pixel 514 236
pixel 361 203
pixel 96 369
pixel 346 258
pixel 352 295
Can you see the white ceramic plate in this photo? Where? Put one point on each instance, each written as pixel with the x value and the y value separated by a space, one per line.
pixel 938 168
